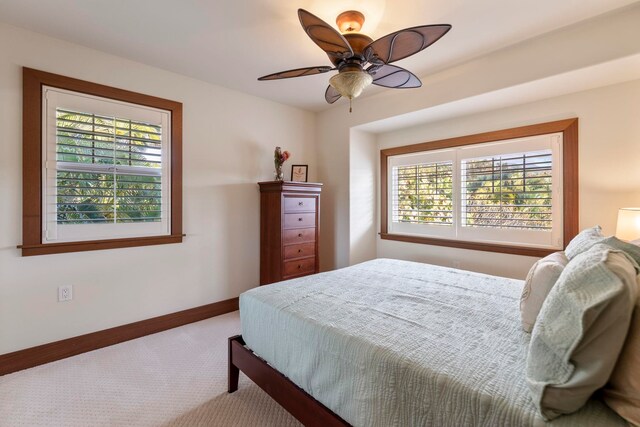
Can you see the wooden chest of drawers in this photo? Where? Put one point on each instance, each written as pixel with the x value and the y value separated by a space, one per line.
pixel 289 229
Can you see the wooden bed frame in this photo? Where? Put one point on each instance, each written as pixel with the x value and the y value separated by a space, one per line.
pixel 295 400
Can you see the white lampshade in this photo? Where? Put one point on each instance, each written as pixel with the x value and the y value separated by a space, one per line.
pixel 350 84
pixel 628 224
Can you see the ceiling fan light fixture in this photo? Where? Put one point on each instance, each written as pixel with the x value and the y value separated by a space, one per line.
pixel 350 84
pixel 350 21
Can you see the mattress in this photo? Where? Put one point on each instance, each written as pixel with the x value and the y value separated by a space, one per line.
pixel 397 343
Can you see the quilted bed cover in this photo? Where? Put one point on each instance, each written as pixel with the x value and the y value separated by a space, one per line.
pixel 398 343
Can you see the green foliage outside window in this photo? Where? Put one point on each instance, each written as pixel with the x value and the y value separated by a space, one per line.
pixel 100 195
pixel 424 193
pixel 508 192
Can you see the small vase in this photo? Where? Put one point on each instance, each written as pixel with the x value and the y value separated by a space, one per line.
pixel 278 173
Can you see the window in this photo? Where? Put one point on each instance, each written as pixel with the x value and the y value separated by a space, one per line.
pixel 510 191
pixel 106 171
pixel 422 193
pixel 108 167
pixel 517 194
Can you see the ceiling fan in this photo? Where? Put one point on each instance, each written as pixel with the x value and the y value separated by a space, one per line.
pixel 351 51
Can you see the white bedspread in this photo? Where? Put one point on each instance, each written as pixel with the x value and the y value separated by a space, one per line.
pixel 397 343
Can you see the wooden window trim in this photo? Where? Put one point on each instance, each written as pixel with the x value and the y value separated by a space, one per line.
pixel 32 84
pixel 569 129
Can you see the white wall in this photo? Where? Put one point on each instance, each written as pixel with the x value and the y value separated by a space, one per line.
pixel 228 138
pixel 609 137
pixel 593 54
pixel 363 196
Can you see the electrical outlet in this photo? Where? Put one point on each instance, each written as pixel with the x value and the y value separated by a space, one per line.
pixel 65 293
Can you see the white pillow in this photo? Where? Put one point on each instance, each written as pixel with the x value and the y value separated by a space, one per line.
pixel 541 278
pixel 581 329
pixel 583 241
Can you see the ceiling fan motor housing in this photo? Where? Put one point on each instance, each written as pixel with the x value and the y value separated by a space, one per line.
pixel 358 43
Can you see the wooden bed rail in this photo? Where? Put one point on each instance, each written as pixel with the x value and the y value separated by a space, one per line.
pixel 296 401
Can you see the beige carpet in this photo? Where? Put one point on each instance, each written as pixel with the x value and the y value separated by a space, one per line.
pixel 174 378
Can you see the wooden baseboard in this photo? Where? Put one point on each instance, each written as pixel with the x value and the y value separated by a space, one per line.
pixel 34 356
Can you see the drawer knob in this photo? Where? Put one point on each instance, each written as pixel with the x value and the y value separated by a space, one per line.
pixel 299 234
pixel 299 266
pixel 300 203
pixel 299 251
pixel 299 219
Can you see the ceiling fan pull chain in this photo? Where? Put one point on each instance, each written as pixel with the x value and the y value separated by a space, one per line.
pixel 350 100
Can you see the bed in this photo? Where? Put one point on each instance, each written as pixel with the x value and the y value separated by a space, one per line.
pixel 394 343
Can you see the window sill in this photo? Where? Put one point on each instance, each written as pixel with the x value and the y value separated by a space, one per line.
pixel 476 246
pixel 94 245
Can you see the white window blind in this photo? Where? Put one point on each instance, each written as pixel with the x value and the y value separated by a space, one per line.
pixel 422 194
pixel 106 169
pixel 506 192
pixel 510 191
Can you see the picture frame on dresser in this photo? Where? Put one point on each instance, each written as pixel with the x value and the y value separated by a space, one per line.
pixel 299 173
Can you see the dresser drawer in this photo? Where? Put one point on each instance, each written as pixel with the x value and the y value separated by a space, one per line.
pixel 299 204
pixel 301 235
pixel 299 220
pixel 302 266
pixel 299 251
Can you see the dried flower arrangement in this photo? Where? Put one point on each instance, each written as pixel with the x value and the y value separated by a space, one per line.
pixel 279 157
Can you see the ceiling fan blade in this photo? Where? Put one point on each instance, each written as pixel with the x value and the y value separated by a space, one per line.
pixel 331 95
pixel 298 72
pixel 393 77
pixel 325 36
pixel 404 43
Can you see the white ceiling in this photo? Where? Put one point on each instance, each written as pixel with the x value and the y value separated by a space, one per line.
pixel 231 43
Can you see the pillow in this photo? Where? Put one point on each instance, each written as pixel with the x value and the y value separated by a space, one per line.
pixel 622 394
pixel 541 278
pixel 583 241
pixel 629 248
pixel 580 330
